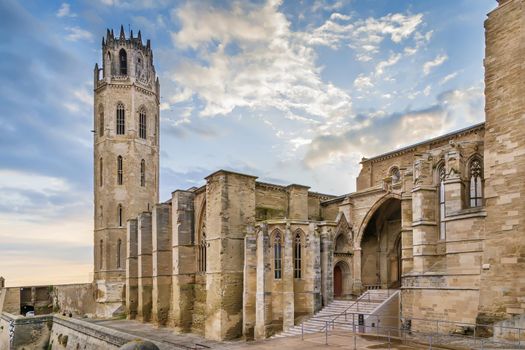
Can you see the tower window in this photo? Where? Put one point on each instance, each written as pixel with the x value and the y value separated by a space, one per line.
pixel 297 256
pixel 120 215
pixel 121 119
pixel 202 252
pixel 101 257
pixel 142 124
pixel 119 171
pixel 476 179
pixel 101 172
pixel 101 122
pixel 142 173
pixel 442 224
pixel 277 257
pixel 119 251
pixel 123 61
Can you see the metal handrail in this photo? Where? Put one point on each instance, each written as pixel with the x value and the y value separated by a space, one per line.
pixel 432 335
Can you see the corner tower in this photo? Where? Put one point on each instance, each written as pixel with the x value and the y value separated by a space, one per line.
pixel 126 150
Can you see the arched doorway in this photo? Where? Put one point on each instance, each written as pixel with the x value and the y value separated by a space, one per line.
pixel 338 281
pixel 381 247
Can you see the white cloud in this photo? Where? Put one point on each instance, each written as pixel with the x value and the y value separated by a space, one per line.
pixel 363 82
pixel 439 60
pixel 427 90
pixel 65 11
pixel 448 77
pixel 77 33
pixel 393 59
pixel 273 65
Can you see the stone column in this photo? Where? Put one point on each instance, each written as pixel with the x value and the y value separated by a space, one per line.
pixel 184 263
pixel 424 226
pixel 230 210
pixel 454 188
pixel 358 284
pixel 407 256
pixel 250 285
pixel 327 269
pixel 145 267
pixel 288 280
pixel 313 255
pixel 263 311
pixel 132 269
pixel 162 263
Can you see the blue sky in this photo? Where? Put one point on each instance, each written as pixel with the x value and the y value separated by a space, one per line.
pixel 292 91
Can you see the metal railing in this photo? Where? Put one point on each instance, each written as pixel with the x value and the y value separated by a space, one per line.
pixel 429 331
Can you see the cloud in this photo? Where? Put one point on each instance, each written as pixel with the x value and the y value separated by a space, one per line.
pixel 363 82
pixel 270 65
pixel 454 109
pixel 438 61
pixel 448 77
pixel 65 11
pixel 77 33
pixel 393 59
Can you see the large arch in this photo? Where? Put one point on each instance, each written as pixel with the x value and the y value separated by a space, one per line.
pixel 370 213
pixel 379 243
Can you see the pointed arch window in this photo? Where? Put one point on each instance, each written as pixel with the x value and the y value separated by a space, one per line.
pixel 120 215
pixel 142 123
pixel 121 119
pixel 142 173
pixel 101 121
pixel 297 257
pixel 120 172
pixel 119 253
pixel 100 172
pixel 277 256
pixel 123 62
pixel 442 224
pixel 476 183
pixel 202 249
pixel 101 257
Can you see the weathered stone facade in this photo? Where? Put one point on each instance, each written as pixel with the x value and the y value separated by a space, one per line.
pixel 441 220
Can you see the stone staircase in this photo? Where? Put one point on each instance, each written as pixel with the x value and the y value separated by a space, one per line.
pixel 335 311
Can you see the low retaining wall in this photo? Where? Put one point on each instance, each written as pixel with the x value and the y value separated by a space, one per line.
pixel 18 332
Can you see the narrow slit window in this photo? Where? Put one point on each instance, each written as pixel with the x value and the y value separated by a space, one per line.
pixel 297 256
pixel 120 215
pixel 101 122
pixel 277 257
pixel 101 257
pixel 101 172
pixel 119 253
pixel 123 61
pixel 120 171
pixel 142 173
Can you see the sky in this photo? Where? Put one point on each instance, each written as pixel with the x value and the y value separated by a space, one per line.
pixel 290 91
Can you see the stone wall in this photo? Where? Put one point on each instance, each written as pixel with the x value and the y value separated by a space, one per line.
pixel 18 332
pixel 503 275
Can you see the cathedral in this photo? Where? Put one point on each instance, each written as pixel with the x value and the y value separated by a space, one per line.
pixel 441 221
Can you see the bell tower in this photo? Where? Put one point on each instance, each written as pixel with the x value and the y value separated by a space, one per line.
pixel 126 152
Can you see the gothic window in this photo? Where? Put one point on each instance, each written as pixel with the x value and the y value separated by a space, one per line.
pixel 101 257
pixel 101 122
pixel 297 256
pixel 142 123
pixel 395 174
pixel 121 119
pixel 120 172
pixel 476 179
pixel 123 61
pixel 156 126
pixel 101 172
pixel 142 173
pixel 120 215
pixel 442 224
pixel 119 251
pixel 277 256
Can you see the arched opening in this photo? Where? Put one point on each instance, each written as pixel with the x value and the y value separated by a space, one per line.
pixel 381 247
pixel 342 280
pixel 340 243
pixel 123 62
